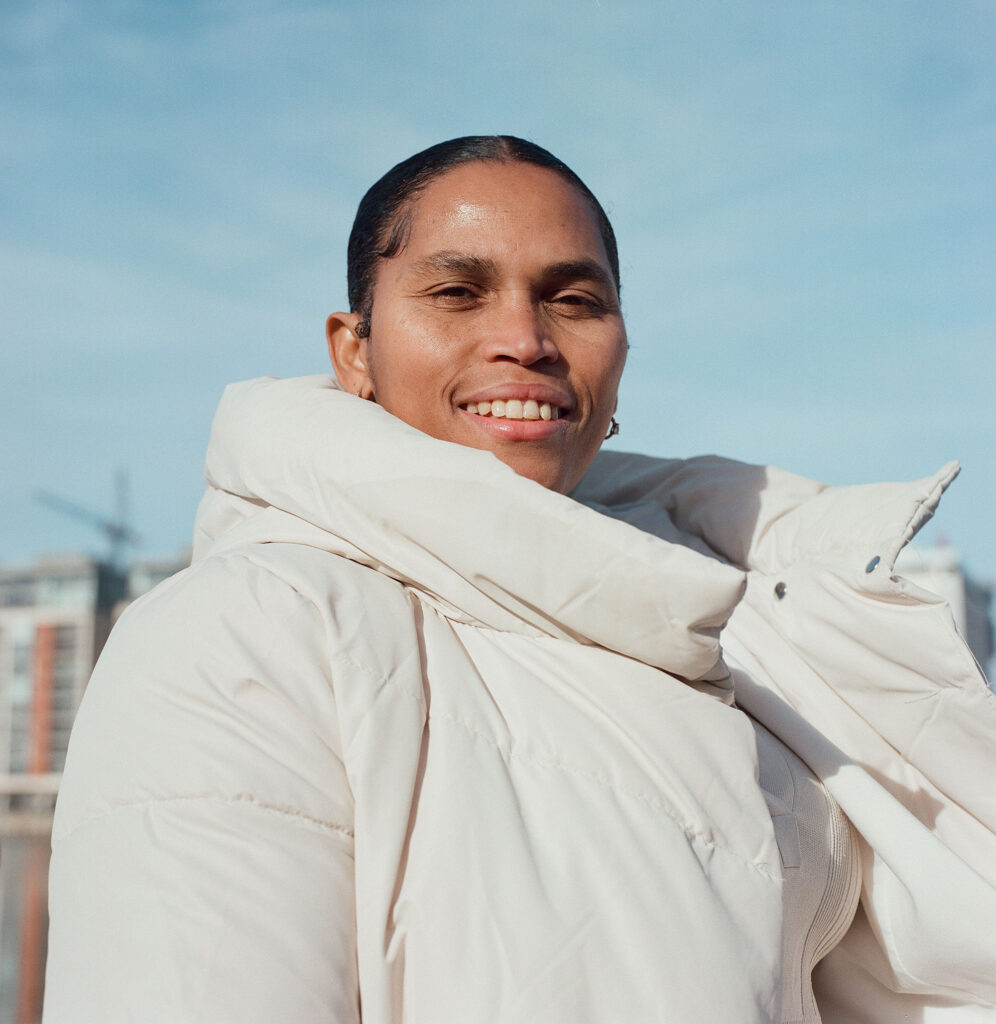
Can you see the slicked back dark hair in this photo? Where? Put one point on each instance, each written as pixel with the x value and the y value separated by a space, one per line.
pixel 384 217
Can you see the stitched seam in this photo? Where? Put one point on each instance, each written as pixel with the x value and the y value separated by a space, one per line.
pixel 377 678
pixel 531 633
pixel 600 780
pixel 297 817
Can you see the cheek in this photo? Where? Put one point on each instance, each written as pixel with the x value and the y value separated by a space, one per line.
pixel 413 352
pixel 605 373
pixel 409 370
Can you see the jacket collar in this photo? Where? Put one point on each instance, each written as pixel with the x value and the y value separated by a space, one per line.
pixel 643 558
pixel 300 460
pixel 762 518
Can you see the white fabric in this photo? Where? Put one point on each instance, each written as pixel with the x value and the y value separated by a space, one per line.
pixel 413 730
pixel 821 871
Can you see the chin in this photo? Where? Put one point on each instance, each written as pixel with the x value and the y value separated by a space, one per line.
pixel 550 477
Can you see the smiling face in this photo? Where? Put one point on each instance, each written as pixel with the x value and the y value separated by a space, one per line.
pixel 498 325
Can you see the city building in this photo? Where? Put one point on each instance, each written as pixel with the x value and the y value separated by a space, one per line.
pixel 54 619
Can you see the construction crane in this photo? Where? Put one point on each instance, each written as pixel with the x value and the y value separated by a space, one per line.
pixel 117 531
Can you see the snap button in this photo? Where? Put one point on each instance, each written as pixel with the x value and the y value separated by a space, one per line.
pixel 870 567
pixel 780 590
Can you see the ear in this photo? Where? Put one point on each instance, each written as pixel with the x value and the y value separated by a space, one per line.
pixel 348 352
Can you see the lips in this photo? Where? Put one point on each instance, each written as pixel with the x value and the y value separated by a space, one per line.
pixel 531 401
pixel 513 409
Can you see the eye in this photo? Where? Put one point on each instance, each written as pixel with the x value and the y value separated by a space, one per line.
pixel 577 304
pixel 456 296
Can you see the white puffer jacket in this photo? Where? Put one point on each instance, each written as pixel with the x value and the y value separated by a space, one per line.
pixel 417 739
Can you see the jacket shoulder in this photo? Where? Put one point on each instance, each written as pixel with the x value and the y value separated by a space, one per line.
pixel 203 844
pixel 223 683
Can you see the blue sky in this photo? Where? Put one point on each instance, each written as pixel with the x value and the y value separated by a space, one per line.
pixel 803 194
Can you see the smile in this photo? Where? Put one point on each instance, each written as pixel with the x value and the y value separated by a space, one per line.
pixel 513 409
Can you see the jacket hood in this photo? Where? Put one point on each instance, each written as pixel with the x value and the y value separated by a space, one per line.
pixel 302 461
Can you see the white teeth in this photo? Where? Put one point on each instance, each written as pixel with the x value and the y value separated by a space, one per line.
pixel 514 409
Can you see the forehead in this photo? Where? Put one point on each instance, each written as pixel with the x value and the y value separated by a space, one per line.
pixel 505 210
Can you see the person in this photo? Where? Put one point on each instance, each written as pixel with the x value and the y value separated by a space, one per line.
pixel 438 726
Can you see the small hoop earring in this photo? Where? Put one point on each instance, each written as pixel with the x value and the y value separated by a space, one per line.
pixel 613 429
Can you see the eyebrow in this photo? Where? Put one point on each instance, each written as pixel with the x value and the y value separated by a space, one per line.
pixel 585 270
pixel 465 264
pixel 462 263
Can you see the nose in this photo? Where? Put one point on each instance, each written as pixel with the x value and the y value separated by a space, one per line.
pixel 518 331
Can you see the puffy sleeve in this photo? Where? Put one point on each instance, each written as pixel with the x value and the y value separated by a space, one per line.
pixel 202 865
